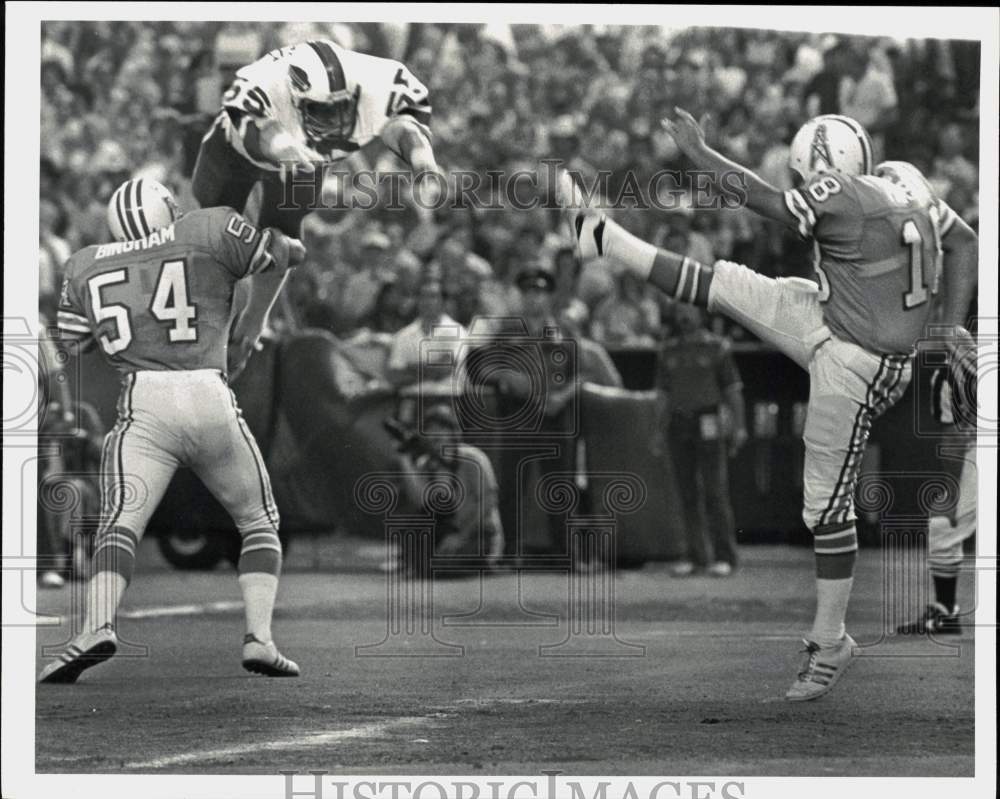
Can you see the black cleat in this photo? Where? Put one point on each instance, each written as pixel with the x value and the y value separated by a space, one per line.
pixel 86 650
pixel 264 658
pixel 935 621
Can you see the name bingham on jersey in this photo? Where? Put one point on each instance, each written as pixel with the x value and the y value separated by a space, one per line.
pixel 154 239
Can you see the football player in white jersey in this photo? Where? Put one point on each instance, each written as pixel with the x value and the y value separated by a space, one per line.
pixel 287 116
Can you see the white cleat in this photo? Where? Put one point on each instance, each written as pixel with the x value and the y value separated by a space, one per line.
pixel 720 569
pixel 823 667
pixel 84 651
pixel 587 223
pixel 264 658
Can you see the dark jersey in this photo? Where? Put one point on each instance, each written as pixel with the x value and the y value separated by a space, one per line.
pixel 163 302
pixel 878 258
pixel 696 370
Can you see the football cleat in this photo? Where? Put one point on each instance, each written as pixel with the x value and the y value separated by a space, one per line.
pixel 935 621
pixel 682 568
pixel 720 569
pixel 51 579
pixel 822 668
pixel 587 223
pixel 264 658
pixel 86 650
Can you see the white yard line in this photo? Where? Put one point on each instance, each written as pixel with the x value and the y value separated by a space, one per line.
pixel 307 741
pixel 164 611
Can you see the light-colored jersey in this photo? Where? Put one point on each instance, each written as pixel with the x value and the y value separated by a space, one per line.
pixel 163 302
pixel 878 257
pixel 263 91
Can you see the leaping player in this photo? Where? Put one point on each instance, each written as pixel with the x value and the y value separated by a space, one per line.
pixel 158 302
pixel 284 119
pixel 878 253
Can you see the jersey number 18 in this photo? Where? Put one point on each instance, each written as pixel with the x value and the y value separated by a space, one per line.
pixel 919 289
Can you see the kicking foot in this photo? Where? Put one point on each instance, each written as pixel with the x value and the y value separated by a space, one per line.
pixel 587 223
pixel 86 650
pixel 823 667
pixel 264 658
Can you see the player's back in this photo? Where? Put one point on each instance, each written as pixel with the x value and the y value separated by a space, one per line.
pixel 877 259
pixel 164 302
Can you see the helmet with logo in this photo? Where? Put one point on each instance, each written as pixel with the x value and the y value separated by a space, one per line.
pixel 910 179
pixel 326 104
pixel 831 143
pixel 140 206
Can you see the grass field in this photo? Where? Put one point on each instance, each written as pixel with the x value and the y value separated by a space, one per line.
pixel 699 691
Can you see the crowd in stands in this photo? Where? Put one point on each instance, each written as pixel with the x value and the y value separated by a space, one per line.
pixel 120 98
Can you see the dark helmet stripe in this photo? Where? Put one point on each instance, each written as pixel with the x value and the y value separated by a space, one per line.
pixel 116 200
pixel 140 217
pixel 125 211
pixel 334 71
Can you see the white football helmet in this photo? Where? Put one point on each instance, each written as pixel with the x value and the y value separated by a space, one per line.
pixel 140 206
pixel 327 105
pixel 831 143
pixel 909 179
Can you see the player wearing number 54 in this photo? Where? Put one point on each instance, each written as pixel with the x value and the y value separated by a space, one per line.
pixel 158 303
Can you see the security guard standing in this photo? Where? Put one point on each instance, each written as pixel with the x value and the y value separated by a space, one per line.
pixel 707 425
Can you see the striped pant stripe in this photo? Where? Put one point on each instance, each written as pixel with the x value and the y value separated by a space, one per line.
pixel 112 460
pixel 265 483
pixel 879 396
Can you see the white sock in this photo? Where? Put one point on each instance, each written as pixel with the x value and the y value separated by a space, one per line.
pixel 104 594
pixel 259 590
pixel 630 251
pixel 832 597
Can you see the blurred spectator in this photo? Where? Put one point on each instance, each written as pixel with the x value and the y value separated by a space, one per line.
pixel 953 176
pixel 630 317
pixel 707 426
pixel 821 94
pixel 358 296
pixel 426 352
pixel 473 525
pixel 870 97
pixel 570 310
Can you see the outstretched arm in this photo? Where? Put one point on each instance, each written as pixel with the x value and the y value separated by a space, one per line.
pixel 410 140
pixel 761 196
pixel 264 287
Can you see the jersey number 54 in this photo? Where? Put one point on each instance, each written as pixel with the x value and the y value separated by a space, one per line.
pixel 170 304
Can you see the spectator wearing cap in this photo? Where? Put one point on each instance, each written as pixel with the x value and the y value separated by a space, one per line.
pixel 564 364
pixel 707 423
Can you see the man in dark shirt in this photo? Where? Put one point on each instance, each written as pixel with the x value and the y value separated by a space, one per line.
pixel 705 396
